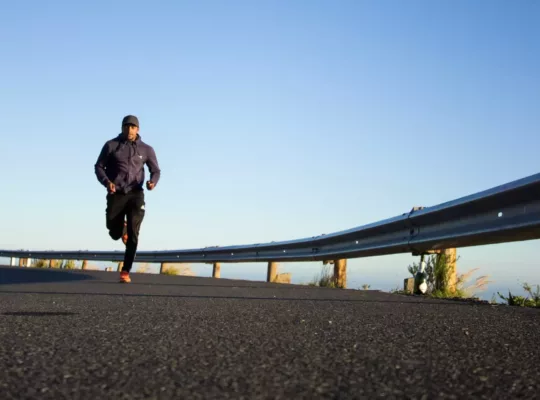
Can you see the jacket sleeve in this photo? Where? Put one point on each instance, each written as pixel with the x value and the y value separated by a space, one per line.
pixel 101 165
pixel 153 166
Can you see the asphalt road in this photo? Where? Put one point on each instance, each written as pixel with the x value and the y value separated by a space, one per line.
pixel 82 335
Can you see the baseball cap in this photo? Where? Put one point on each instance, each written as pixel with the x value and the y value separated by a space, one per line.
pixel 130 119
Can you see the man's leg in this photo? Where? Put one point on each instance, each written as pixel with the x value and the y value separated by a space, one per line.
pixel 115 214
pixel 135 215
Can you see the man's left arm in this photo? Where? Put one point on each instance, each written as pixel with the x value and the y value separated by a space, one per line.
pixel 153 167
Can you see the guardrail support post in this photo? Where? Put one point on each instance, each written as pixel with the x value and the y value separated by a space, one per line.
pixel 120 266
pixel 12 262
pixel 84 264
pixel 25 262
pixel 450 260
pixel 216 270
pixel 272 271
pixel 340 273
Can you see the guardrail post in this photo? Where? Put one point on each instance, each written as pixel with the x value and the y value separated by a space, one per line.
pixel 23 262
pixel 451 276
pixel 272 271
pixel 340 273
pixel 162 268
pixel 12 262
pixel 216 270
pixel 84 264
pixel 120 266
pixel 408 285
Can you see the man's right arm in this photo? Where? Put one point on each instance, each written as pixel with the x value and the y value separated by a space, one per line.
pixel 101 164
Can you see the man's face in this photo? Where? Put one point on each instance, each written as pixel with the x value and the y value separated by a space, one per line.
pixel 130 132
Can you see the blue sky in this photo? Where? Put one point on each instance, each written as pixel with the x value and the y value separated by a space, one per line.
pixel 271 120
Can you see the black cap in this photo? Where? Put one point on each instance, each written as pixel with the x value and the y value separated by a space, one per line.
pixel 130 119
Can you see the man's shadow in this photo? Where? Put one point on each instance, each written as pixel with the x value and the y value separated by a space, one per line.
pixel 15 275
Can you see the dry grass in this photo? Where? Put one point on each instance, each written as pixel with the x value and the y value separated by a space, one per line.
pixel 479 285
pixel 60 264
pixel 177 269
pixel 40 263
pixel 325 279
pixel 143 268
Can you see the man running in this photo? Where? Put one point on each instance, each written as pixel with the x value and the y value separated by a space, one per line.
pixel 120 168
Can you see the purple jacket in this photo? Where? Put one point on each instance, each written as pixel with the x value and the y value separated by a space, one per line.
pixel 122 162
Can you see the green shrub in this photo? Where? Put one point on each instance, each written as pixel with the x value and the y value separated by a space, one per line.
pixel 521 301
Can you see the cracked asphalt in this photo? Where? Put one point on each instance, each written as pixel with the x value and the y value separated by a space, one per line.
pixel 81 335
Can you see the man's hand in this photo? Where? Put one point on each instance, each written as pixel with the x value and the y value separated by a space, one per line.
pixel 111 187
pixel 150 185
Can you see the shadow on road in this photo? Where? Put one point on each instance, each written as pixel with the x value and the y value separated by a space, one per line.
pixel 11 276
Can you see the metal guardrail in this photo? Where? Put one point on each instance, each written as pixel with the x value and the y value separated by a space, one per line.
pixel 506 213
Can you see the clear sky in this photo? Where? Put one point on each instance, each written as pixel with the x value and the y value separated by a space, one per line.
pixel 271 120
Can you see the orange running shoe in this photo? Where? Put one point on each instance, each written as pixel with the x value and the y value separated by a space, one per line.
pixel 124 277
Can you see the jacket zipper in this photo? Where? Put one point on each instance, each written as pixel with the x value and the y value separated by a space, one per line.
pixel 129 163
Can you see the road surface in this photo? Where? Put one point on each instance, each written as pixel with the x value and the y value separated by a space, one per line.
pixel 81 335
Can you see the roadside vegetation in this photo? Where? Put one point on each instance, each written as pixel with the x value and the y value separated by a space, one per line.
pixel 325 278
pixel 143 268
pixel 532 300
pixel 40 264
pixel 177 269
pixel 171 270
pixel 438 272
pixel 57 264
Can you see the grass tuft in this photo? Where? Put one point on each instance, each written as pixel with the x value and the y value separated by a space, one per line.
pixel 325 279
pixel 521 301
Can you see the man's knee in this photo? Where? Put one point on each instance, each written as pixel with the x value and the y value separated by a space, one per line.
pixel 115 235
pixel 115 229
